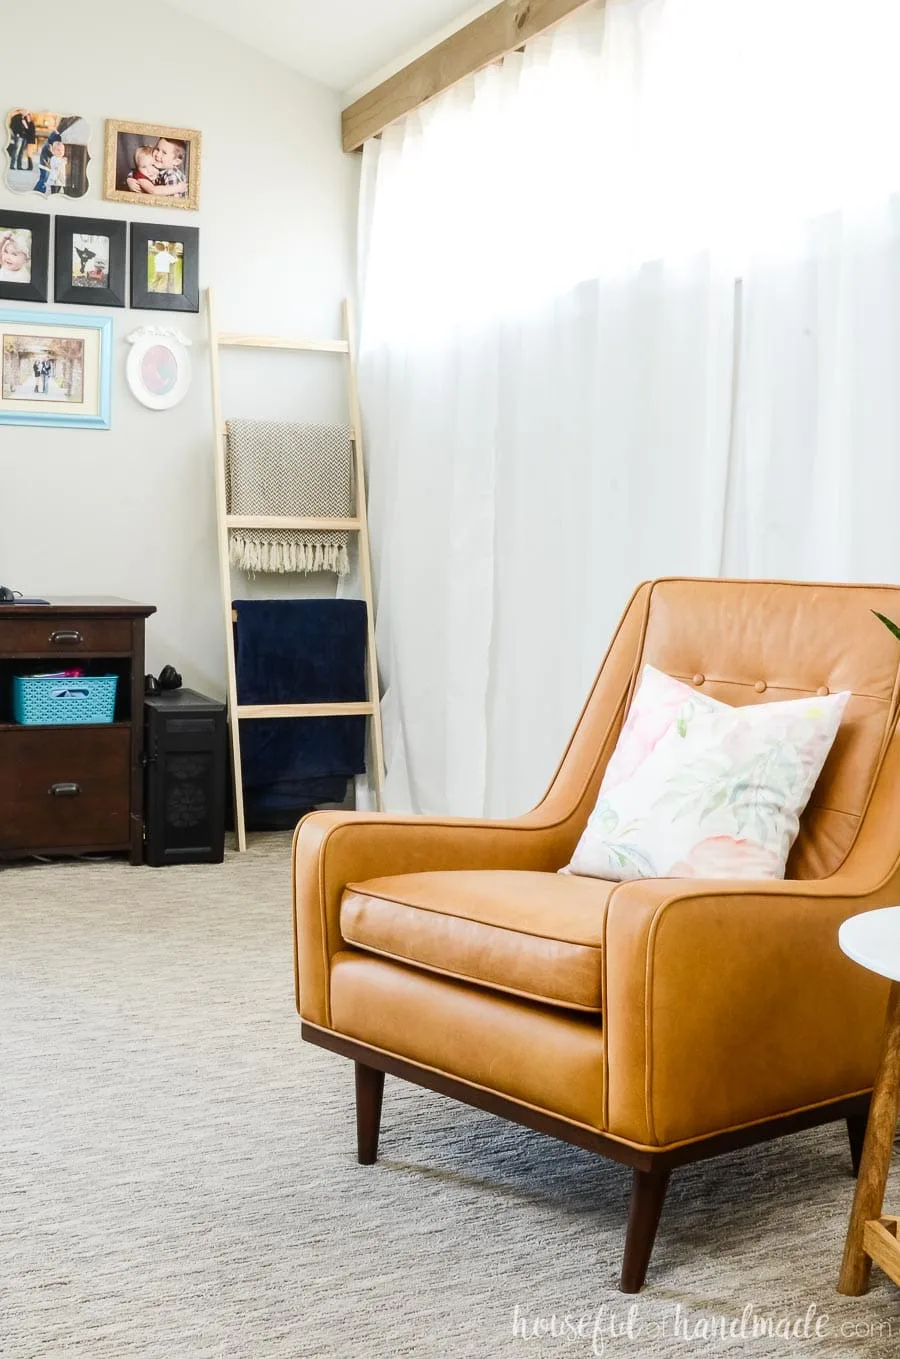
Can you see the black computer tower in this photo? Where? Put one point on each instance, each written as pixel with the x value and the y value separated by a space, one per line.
pixel 184 789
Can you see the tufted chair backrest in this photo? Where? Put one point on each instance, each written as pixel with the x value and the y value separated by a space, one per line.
pixel 750 641
pixel 763 641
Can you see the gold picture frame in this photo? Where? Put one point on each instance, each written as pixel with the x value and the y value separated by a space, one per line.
pixel 153 165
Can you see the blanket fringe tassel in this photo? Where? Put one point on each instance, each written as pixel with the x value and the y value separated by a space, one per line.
pixel 251 554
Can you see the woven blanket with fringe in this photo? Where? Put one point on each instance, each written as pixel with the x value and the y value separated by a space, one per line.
pixel 278 467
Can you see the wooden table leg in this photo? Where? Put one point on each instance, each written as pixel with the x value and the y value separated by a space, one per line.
pixel 876 1156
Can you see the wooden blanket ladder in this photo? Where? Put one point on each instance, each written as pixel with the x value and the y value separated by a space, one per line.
pixel 357 523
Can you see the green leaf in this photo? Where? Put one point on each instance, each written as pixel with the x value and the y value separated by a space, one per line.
pixel 717 800
pixel 628 856
pixel 606 817
pixel 891 627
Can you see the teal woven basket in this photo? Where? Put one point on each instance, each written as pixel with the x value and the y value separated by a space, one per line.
pixel 52 701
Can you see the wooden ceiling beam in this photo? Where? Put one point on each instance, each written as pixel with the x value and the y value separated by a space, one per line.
pixel 486 39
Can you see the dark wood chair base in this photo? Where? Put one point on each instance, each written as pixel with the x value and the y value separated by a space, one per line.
pixel 648 1192
pixel 651 1168
pixel 369 1093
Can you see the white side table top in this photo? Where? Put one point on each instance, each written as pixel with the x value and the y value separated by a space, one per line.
pixel 873 940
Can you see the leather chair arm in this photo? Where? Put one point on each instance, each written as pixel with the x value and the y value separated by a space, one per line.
pixel 730 1002
pixel 332 849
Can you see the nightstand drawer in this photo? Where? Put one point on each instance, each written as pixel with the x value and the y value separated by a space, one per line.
pixel 64 786
pixel 55 636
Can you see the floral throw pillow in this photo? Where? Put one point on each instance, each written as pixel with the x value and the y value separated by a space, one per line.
pixel 696 788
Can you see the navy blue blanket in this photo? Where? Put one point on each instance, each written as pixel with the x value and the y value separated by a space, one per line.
pixel 299 651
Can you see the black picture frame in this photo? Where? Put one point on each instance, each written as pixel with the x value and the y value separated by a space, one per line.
pixel 84 284
pixel 38 224
pixel 149 298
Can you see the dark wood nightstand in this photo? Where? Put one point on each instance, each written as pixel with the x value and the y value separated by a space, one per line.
pixel 73 789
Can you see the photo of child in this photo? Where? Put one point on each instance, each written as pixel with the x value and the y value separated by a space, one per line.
pixel 159 170
pixel 47 153
pixel 57 176
pixel 15 255
pixel 90 261
pixel 165 266
pixel 144 172
pixel 152 164
pixel 51 165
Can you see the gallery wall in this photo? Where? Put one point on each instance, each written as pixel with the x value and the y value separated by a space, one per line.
pixel 130 510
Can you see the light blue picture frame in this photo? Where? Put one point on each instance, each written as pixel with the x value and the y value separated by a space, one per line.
pixel 64 321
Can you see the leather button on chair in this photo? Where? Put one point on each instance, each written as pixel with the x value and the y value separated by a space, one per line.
pixel 760 686
pixel 822 690
pixel 698 679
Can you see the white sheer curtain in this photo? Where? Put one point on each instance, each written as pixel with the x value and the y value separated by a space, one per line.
pixel 560 397
pixel 816 475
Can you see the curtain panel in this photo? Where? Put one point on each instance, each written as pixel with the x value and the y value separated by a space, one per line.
pixel 628 308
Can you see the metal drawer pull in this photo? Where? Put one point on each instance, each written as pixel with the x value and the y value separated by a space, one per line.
pixel 62 636
pixel 64 789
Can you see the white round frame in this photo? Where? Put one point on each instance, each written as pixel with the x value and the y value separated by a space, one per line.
pixel 141 342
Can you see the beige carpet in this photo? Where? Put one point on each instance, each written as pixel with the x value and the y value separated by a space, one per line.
pixel 177 1173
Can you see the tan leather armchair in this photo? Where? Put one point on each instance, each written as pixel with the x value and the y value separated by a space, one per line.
pixel 656 1022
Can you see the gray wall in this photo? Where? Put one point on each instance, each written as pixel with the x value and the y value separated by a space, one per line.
pixel 130 511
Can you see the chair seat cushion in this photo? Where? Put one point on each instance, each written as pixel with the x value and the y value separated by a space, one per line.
pixel 536 935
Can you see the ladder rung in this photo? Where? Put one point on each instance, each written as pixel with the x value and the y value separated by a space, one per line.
pixel 291 521
pixel 351 431
pixel 234 340
pixel 304 709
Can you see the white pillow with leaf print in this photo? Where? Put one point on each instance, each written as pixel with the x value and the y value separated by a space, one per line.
pixel 696 788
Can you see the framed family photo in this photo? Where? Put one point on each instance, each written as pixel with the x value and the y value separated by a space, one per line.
pixel 24 256
pixel 152 165
pixel 47 153
pixel 89 261
pixel 165 267
pixel 55 369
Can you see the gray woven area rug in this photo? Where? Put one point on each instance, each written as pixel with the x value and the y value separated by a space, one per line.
pixel 177 1177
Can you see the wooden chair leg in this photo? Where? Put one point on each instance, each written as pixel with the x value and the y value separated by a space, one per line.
pixel 876 1156
pixel 856 1134
pixel 369 1090
pixel 648 1191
